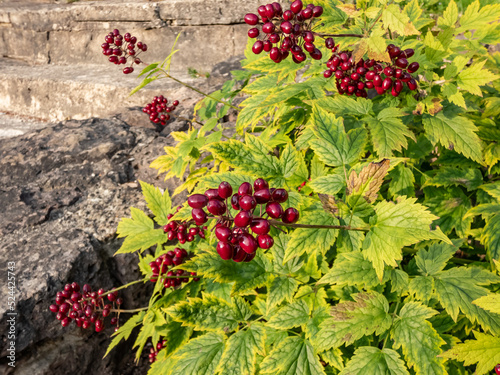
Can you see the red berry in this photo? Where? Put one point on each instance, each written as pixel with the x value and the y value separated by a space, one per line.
pixel 247 203
pixel 274 210
pixel 306 13
pixel 288 15
pixel 296 6
pixel 216 207
pixel 225 190
pixel 394 52
pixel 99 325
pixel 279 195
pixel 316 54
pixel 402 62
pixel 239 254
pixel 253 33
pixel 387 83
pixel 317 11
pixel 243 219
pixel 251 19
pixel 213 194
pixel 235 199
pixel 413 67
pixel 258 47
pixel 128 70
pixel 54 308
pixel 262 196
pixel 265 241
pixel 245 189
pixel 222 233
pixel 199 216
pixel 197 201
pixel 65 322
pixel 291 215
pixel 412 84
pixel 260 184
pixel 268 28
pixel 260 226
pixel 377 81
pixel 286 27
pixel 248 243
pixel 409 52
pixel 329 43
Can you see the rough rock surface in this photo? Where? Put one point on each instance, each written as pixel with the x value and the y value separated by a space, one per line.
pixel 63 190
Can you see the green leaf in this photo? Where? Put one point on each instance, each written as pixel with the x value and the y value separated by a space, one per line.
pixel 278 250
pixel 453 95
pixel 352 320
pixel 454 131
pixel 450 15
pixel 474 76
pixel 241 350
pixel 396 20
pixel 265 83
pixel 476 16
pixel 491 237
pixel 282 289
pixel 241 308
pixel 125 330
pixel 292 315
pixel 432 261
pixel 176 335
pixel 159 204
pixel 422 288
pixel 420 342
pixel 303 239
pixel 294 355
pixel 209 313
pixel 351 269
pixel 331 144
pixel 491 303
pixel 139 232
pixel 374 361
pixel 334 358
pixel 330 184
pixel 213 180
pixel 342 105
pixel 292 163
pixel 395 226
pixel 388 132
pixel 208 349
pixel 146 81
pixel 485 351
pixel 402 181
pixel 456 288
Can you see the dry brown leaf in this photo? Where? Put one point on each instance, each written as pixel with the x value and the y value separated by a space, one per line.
pixel 359 50
pixel 369 181
pixel 329 203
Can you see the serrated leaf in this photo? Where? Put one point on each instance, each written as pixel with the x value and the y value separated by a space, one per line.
pixel 377 49
pixel 294 355
pixel 432 261
pixel 241 308
pixel 208 314
pixel 375 361
pixel 484 350
pixel 369 181
pixel 351 269
pixel 456 288
pixel 213 180
pixel 388 132
pixel 396 20
pixel 470 178
pixel 450 15
pixel 329 204
pixel 303 239
pixel 281 289
pixel 420 342
pixel 341 105
pixel 159 204
pixel 334 358
pixel 452 93
pixel 474 76
pixel 208 349
pixel 240 352
pixel 278 250
pixel 332 144
pixel 491 303
pixel 123 333
pixel 329 184
pixel 350 321
pixel 402 180
pixel 454 131
pixel 292 315
pixel 492 189
pixel 395 226
pixel 176 335
pixel 421 287
pixel 476 16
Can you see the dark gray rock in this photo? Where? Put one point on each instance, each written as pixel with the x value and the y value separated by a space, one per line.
pixel 63 190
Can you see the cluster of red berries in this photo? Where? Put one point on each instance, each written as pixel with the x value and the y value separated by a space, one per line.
pixel 356 78
pixel 153 352
pixel 182 231
pixel 235 240
pixel 158 110
pixel 86 308
pixel 289 30
pixel 160 266
pixel 120 48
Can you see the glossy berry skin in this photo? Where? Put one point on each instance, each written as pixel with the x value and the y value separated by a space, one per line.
pixel 497 369
pixel 258 47
pixel 412 84
pixel 213 194
pixel 199 216
pixel 197 201
pixel 222 233
pixel 216 207
pixel 251 19
pixel 413 67
pixel 296 6
pixel 260 184
pixel 245 189
pixel 265 241
pixel 243 219
pixel 235 201
pixel 225 250
pixel 248 243
pixel 286 27
pixel 239 254
pixel 225 190
pixel 279 195
pixel 268 28
pixel 247 203
pixel 402 62
pixel 387 83
pixel 260 226
pixel 262 196
pixel 329 43
pixel 253 33
pixel 274 210
pixel 290 216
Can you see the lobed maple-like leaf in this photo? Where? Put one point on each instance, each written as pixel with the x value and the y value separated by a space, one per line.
pixel 375 361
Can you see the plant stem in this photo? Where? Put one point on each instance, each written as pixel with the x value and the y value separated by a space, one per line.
pixel 198 91
pixel 339 35
pixel 129 311
pixel 375 22
pixel 125 286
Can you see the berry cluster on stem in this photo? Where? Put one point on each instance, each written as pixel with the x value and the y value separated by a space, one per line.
pixel 158 110
pixel 286 31
pixel 236 240
pixel 160 268
pixel 123 48
pixel 358 77
pixel 85 307
pixel 183 230
pixel 153 352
